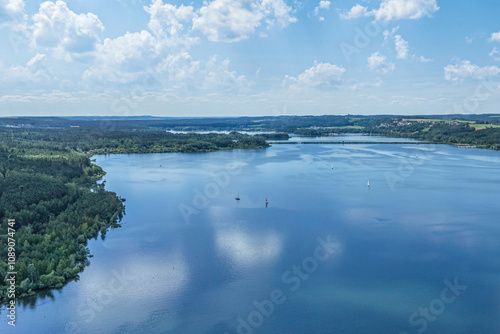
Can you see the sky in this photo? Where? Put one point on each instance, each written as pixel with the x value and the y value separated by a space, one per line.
pixel 249 57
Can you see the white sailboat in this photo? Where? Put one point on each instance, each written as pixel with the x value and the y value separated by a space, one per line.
pixel 368 184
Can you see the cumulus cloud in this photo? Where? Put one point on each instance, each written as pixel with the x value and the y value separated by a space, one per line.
pixel 405 9
pixel 235 20
pixel 209 75
pixel 35 71
pixel 167 23
pixel 68 34
pixel 163 49
pixel 495 37
pixel 128 57
pixel 422 59
pixel 401 47
pixel 12 13
pixel 180 68
pixel 322 5
pixel 467 70
pixel 495 54
pixel 124 58
pixel 172 30
pixel 355 12
pixel 218 76
pixel 395 10
pixel 377 63
pixel 319 76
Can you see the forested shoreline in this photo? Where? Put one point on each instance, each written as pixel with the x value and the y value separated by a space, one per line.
pixel 50 187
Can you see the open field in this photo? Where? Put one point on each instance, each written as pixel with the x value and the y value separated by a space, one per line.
pixel 484 126
pixel 434 120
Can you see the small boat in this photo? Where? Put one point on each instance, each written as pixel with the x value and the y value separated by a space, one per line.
pixel 237 197
pixel 368 184
pixel 332 166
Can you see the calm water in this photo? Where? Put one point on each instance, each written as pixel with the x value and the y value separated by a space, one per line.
pixel 418 251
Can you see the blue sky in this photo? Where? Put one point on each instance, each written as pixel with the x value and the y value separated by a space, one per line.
pixel 249 57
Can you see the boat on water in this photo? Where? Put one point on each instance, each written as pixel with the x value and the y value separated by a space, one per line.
pixel 368 184
pixel 237 197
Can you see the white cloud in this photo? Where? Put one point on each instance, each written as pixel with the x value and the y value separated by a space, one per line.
pixel 167 23
pixel 355 12
pixel 129 57
pixel 180 68
pixel 125 58
pixel 495 54
pixel 467 70
pixel 210 75
pixel 401 47
pixel 165 52
pixel 12 13
pixel 395 10
pixel 405 9
pixel 235 20
pixel 495 37
pixel 388 33
pixel 322 5
pixel 319 76
pixel 36 71
pixel 218 76
pixel 378 63
pixel 366 85
pixel 68 34
pixel 422 59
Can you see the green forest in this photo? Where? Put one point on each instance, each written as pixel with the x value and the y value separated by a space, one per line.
pixel 452 134
pixel 51 188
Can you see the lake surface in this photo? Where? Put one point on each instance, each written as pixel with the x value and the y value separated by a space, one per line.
pixel 418 251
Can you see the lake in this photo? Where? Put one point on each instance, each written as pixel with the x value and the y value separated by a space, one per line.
pixel 417 251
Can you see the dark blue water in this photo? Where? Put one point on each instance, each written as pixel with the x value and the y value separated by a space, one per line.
pixel 417 251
